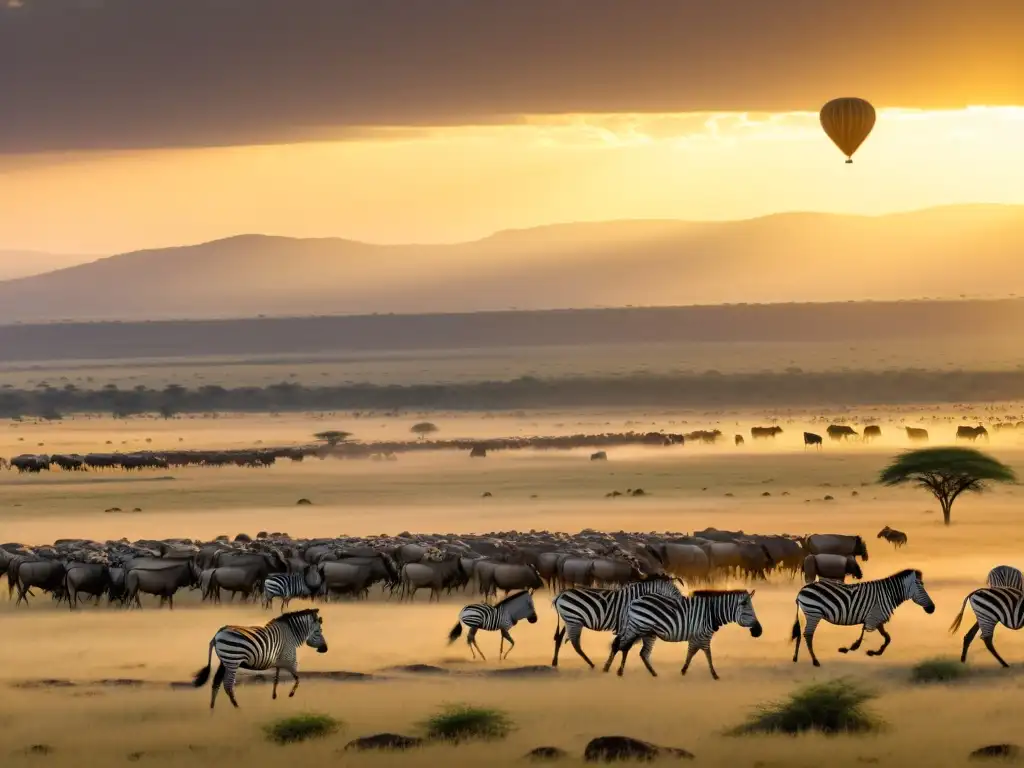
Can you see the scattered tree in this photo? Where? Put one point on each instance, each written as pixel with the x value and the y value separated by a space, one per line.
pixel 946 473
pixel 333 436
pixel 423 429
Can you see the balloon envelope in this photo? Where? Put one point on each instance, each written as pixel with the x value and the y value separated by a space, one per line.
pixel 848 121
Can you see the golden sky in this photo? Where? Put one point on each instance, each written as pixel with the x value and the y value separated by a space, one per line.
pixel 459 183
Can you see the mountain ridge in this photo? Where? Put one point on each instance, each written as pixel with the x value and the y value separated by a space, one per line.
pixel 947 251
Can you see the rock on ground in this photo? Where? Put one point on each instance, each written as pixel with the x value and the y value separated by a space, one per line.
pixel 390 741
pixel 1004 751
pixel 613 748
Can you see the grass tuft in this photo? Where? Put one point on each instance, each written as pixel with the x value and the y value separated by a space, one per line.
pixel 461 722
pixel 831 708
pixel 290 730
pixel 938 671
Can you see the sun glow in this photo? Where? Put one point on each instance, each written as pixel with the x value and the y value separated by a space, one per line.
pixel 458 183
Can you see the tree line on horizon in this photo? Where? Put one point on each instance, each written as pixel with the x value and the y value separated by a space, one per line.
pixel 709 389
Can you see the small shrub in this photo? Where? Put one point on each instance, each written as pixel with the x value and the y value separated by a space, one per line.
pixel 297 728
pixel 831 708
pixel 938 671
pixel 461 722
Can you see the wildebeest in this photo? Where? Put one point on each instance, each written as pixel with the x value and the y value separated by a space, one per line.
pixel 760 433
pixel 163 582
pixel 787 552
pixel 832 567
pixel 917 434
pixel 812 439
pixel 346 578
pixel 44 574
pixel 840 431
pixel 436 576
pixel 88 578
pixel 971 433
pixel 836 544
pixel 894 537
pixel 599 456
pixel 236 579
pixel 704 435
pixel 508 577
pixel 688 561
pixel 30 463
pixel 872 431
pixel 738 439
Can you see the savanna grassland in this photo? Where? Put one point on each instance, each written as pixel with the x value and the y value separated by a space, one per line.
pixel 688 487
pixel 461 366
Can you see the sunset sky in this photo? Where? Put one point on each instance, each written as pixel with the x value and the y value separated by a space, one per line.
pixel 129 124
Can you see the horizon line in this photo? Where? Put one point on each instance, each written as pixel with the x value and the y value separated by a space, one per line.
pixel 550 310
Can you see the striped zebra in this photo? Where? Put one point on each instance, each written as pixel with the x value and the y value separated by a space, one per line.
pixel 501 616
pixel 1005 576
pixel 693 619
pixel 870 603
pixel 288 585
pixel 602 610
pixel 991 606
pixel 258 648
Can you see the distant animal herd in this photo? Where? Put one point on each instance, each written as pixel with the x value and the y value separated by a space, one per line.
pixel 630 584
pixel 28 463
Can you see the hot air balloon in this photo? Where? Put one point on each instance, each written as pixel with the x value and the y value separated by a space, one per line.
pixel 848 121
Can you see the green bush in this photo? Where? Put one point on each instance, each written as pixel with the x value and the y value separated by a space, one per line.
pixel 831 708
pixel 300 728
pixel 938 671
pixel 461 722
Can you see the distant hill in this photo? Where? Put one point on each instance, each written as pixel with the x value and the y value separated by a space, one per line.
pixel 975 250
pixel 16 264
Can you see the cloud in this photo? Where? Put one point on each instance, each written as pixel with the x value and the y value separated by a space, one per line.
pixel 122 74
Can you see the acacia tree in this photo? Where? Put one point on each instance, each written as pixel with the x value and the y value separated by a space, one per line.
pixel 333 436
pixel 946 473
pixel 423 429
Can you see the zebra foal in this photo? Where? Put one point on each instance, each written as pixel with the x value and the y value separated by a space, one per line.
pixel 991 606
pixel 693 619
pixel 870 604
pixel 602 610
pixel 501 616
pixel 289 585
pixel 257 648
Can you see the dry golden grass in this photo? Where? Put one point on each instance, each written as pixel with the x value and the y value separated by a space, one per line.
pixel 159 726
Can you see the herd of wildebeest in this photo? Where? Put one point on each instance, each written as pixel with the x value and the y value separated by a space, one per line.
pixel 122 571
pixel 389 450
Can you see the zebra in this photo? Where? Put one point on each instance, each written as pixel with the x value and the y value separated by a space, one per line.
pixel 501 616
pixel 694 619
pixel 1005 576
pixel 258 648
pixel 991 606
pixel 602 610
pixel 870 603
pixel 289 585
